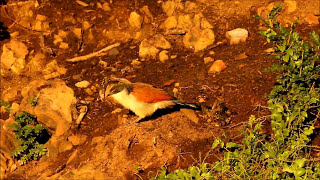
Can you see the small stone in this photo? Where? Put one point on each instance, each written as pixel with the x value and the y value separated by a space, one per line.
pixel 208 59
pixel 292 5
pixel 77 139
pixel 311 19
pixel 211 52
pixel 163 56
pixel 93 88
pixel 118 110
pixel 135 62
pixel 217 66
pixel 240 56
pixel 99 5
pixel 77 32
pixel 113 52
pixel 173 56
pixel 65 146
pixel 85 25
pixel 237 35
pixel 184 22
pixel 149 47
pixel 168 7
pixel 175 90
pixel 241 66
pixel 170 22
pixel 201 100
pixel 41 17
pixel 198 39
pixel 82 3
pixel 89 91
pixel 64 45
pixel 135 20
pixel 190 114
pixel 82 84
pixel 62 34
pixel 106 7
pixel 176 84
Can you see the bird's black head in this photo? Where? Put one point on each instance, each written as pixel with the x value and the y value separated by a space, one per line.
pixel 120 87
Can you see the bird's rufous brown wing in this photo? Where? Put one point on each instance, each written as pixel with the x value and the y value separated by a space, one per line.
pixel 148 94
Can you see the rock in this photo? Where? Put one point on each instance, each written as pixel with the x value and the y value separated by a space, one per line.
pixel 96 140
pixel 217 66
pixel 292 5
pixel 52 70
pixel 82 84
pixel 208 59
pixel 85 25
pixel 64 146
pixel 64 45
pixel 135 20
pixel 163 56
pixel 190 114
pixel 89 91
pixel 113 52
pixel 184 22
pixel 53 109
pixel 190 7
pixel 135 62
pixel 198 39
pixel 77 139
pixel 82 3
pixel 240 56
pixel 237 35
pixel 170 23
pixel 168 7
pixel 106 7
pixel 311 19
pixel 77 32
pixel 175 90
pixel 13 56
pixel 36 64
pixel 149 47
pixel 200 22
pixel 118 110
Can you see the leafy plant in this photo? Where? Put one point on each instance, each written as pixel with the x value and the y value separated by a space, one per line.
pixel 34 100
pixel 6 105
pixel 30 134
pixel 294 103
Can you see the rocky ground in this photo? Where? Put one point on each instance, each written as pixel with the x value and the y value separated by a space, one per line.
pixel 204 51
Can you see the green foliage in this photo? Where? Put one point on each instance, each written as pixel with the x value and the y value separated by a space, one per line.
pixel 194 172
pixel 34 100
pixel 6 105
pixel 294 103
pixel 29 133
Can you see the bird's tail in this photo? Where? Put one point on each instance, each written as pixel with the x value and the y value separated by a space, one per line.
pixel 190 105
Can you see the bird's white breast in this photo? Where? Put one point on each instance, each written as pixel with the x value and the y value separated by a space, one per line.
pixel 141 109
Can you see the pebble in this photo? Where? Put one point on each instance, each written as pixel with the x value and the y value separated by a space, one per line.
pixel 217 66
pixel 82 84
pixel 237 35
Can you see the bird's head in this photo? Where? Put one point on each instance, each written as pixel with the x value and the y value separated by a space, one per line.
pixel 119 88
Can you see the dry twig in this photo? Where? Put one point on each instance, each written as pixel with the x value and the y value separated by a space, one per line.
pixel 86 57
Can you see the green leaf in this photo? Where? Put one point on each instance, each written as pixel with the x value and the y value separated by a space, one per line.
pixel 231 145
pixel 282 48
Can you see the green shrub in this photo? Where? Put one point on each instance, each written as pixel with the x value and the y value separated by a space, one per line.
pixel 31 135
pixel 294 103
pixel 6 105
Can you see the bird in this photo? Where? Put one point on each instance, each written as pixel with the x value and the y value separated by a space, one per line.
pixel 144 99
